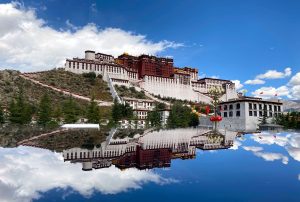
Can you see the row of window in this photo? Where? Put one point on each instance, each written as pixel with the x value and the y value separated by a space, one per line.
pixel 261 113
pixel 237 106
pixel 230 114
pixel 253 106
pixel 101 67
pixel 264 107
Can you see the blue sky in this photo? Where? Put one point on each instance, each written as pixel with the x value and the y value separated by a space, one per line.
pixel 232 39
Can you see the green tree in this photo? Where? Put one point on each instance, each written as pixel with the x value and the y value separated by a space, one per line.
pixel 44 110
pixel 93 112
pixel 121 111
pixel 215 93
pixel 179 116
pixel 154 118
pixel 57 113
pixel 127 111
pixel 194 120
pixel 70 111
pixel 116 111
pixel 2 118
pixel 20 112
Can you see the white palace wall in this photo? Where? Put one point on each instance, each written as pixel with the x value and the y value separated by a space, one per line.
pixel 166 87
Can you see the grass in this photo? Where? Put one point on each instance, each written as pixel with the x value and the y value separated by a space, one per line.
pixel 76 83
pixel 123 91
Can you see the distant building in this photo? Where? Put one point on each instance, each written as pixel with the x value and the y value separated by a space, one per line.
pixel 244 113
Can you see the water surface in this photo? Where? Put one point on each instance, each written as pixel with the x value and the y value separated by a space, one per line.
pixel 178 165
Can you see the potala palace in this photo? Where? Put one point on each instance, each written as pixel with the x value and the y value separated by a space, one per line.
pixel 158 77
pixel 155 75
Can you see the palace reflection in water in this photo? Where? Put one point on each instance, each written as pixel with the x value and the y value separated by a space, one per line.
pixel 150 150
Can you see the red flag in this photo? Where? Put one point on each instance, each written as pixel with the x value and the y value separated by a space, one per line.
pixel 207 109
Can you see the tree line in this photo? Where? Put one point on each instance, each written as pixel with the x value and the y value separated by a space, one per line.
pixel 289 120
pixel 180 116
pixel 20 111
pixel 47 113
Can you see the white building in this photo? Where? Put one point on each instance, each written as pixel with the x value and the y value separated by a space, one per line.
pixel 101 64
pixel 140 107
pixel 244 113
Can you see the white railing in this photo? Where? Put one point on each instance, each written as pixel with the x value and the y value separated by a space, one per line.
pixel 113 90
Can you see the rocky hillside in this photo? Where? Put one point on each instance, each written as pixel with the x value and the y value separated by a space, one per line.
pixel 79 84
pixel 11 83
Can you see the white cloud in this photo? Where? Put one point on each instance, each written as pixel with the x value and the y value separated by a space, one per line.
pixel 255 82
pixel 236 145
pixel 28 44
pixel 295 80
pixel 295 92
pixel 294 152
pixel 238 84
pixel 295 86
pixel 274 74
pixel 269 139
pixel 253 148
pixel 26 173
pixel 268 156
pixel 268 92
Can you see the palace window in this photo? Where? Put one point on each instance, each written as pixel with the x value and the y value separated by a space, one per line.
pixel 270 114
pixel 255 113
pixel 225 107
pixel 230 114
pixel 260 113
pixel 238 106
pixel 260 106
pixel 279 108
pixel 250 105
pixel 275 108
pixel 230 107
pixel 250 113
pixel 270 107
pixel 225 114
pixel 238 113
pixel 254 105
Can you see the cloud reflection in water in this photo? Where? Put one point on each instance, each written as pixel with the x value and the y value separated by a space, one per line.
pixel 26 172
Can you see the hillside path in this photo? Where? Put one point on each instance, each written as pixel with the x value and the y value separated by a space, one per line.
pixel 65 92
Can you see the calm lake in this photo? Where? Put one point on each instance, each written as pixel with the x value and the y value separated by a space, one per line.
pixel 167 165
